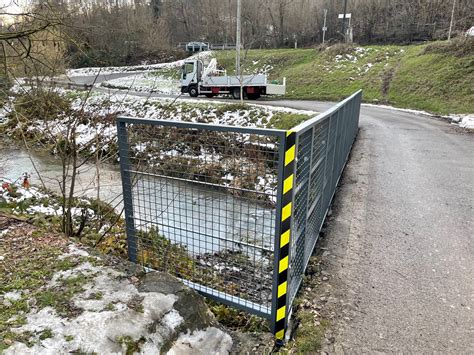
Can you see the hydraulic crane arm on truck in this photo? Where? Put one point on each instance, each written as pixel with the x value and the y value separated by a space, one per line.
pixel 210 81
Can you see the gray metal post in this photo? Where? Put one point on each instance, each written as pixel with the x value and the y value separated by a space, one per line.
pixel 324 25
pixel 122 136
pixel 276 253
pixel 282 243
pixel 452 19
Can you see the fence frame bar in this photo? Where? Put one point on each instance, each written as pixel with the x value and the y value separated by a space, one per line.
pixel 343 123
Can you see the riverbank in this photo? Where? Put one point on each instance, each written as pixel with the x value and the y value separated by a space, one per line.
pixel 55 290
pixel 100 225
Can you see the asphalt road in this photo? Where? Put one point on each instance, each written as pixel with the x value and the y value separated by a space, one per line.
pixel 403 233
pixel 400 242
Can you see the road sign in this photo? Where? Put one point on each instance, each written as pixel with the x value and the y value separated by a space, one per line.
pixel 341 16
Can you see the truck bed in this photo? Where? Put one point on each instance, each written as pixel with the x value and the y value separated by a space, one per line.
pixel 247 80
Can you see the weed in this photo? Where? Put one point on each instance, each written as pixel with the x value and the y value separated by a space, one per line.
pixel 46 334
pixel 237 320
pixel 59 297
pixel 136 304
pixel 309 334
pixel 286 121
pixel 131 346
pixel 109 307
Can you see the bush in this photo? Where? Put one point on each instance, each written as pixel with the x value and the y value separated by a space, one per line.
pixel 339 49
pixel 5 85
pixel 41 105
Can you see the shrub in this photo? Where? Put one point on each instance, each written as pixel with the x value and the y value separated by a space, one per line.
pixel 5 85
pixel 339 49
pixel 41 105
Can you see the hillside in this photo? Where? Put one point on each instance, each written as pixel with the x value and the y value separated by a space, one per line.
pixel 437 77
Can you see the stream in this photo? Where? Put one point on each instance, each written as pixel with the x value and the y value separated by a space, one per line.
pixel 201 218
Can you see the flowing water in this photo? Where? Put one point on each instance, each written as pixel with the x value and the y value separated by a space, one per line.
pixel 202 219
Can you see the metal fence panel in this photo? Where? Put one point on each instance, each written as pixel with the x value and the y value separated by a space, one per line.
pixel 204 205
pixel 323 147
pixel 234 212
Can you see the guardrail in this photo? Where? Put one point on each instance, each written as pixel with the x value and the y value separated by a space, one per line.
pixel 234 212
pixel 205 46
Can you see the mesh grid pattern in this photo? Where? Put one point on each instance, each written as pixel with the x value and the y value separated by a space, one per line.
pixel 201 201
pixel 322 150
pixel 204 208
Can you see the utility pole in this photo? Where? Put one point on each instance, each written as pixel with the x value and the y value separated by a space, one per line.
pixel 452 20
pixel 238 37
pixel 344 21
pixel 324 25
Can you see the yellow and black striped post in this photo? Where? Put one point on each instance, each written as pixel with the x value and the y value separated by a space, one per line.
pixel 285 235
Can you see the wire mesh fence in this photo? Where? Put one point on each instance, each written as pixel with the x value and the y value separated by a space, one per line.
pixel 233 212
pixel 323 147
pixel 203 200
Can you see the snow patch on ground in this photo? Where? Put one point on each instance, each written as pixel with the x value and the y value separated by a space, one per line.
pixel 105 320
pixel 407 110
pixel 113 312
pixel 74 251
pixel 464 121
pixel 11 296
pixel 15 193
pixel 21 194
pixel 146 82
pixel 347 61
pixel 220 343
pixel 5 111
pixel 2 233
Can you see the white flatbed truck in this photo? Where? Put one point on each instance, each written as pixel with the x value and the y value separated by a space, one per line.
pixel 197 80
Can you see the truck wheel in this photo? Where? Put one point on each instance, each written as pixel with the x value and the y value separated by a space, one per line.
pixel 193 91
pixel 236 93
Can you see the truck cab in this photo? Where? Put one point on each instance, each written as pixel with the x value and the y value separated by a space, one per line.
pixel 191 73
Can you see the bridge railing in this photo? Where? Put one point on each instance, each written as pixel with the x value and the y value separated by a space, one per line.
pixel 234 212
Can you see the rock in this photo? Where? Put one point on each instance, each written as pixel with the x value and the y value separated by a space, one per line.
pixel 209 341
pixel 134 279
pixel 152 312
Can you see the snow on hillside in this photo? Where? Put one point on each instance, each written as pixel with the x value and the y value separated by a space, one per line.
pixel 145 82
pixel 135 68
